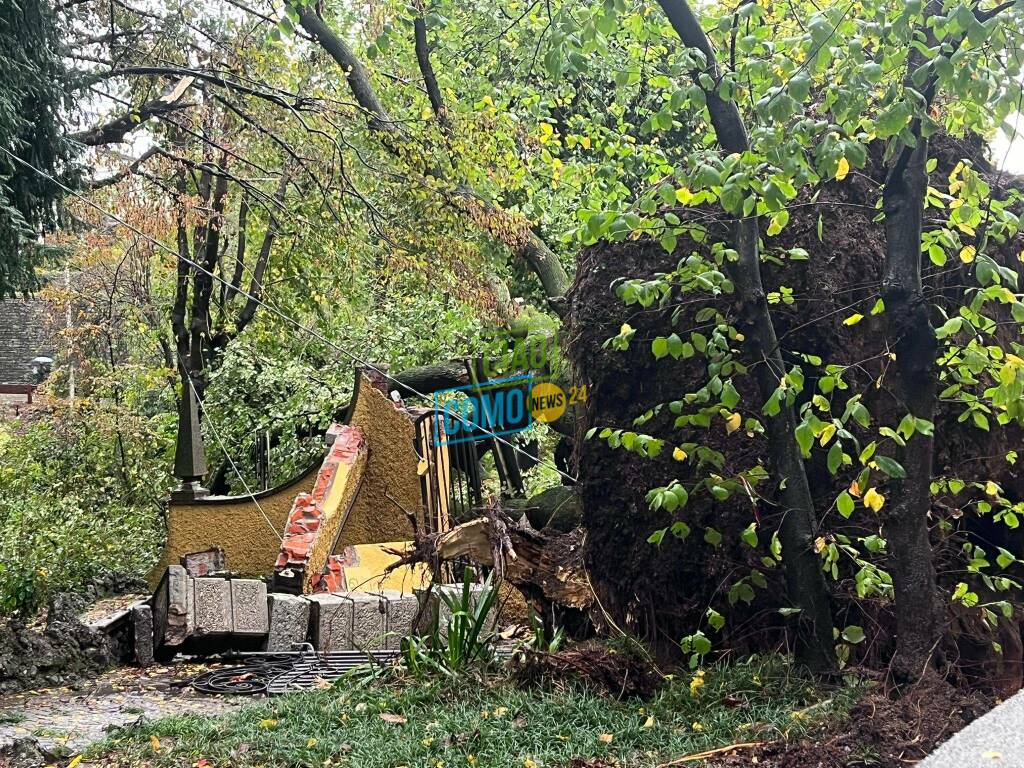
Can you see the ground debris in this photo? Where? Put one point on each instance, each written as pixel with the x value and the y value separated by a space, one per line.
pixel 622 675
pixel 881 732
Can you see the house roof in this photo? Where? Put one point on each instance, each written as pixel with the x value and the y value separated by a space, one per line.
pixel 25 333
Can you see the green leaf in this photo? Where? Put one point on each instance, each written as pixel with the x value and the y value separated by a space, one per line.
pixel 891 467
pixel 845 504
pixel 853 634
pixel 659 347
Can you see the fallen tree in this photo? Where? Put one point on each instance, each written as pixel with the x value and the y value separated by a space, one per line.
pixel 546 566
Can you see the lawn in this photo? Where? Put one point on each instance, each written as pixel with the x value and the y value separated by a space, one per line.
pixel 389 722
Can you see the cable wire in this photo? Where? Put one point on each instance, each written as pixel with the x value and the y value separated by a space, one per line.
pixel 273 310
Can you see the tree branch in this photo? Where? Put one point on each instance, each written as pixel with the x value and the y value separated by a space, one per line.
pixel 427 71
pixel 508 229
pixel 115 131
pixel 260 268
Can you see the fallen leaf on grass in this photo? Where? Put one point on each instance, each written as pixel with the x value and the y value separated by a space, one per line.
pixel 154 742
pixel 268 723
pixel 75 761
pixel 391 717
pixel 605 738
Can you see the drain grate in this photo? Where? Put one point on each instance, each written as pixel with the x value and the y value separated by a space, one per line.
pixel 313 670
pixel 274 673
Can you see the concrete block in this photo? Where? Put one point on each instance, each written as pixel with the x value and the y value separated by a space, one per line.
pixel 289 621
pixel 369 620
pixel 171 608
pixel 330 622
pixel 190 607
pixel 212 606
pixel 249 607
pixel 402 609
pixel 142 627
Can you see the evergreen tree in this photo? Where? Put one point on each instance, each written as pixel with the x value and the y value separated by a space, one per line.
pixel 31 93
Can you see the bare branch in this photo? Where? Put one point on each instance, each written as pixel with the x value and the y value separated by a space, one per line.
pixel 115 131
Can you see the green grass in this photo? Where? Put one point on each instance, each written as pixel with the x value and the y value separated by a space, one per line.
pixel 497 724
pixel 12 717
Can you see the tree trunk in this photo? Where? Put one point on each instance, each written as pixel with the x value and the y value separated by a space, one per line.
pixel 805 582
pixel 912 337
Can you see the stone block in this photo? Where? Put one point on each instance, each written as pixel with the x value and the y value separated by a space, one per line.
pixel 212 602
pixel 289 621
pixel 171 608
pixel 402 609
pixel 369 620
pixel 203 563
pixel 249 607
pixel 330 622
pixel 142 628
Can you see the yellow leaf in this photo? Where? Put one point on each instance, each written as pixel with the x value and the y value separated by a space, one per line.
pixel 991 488
pixel 733 423
pixel 696 683
pixel 843 169
pixel 626 329
pixel 698 727
pixel 873 500
pixel 154 742
pixel 826 434
pixel 528 763
pixel 679 454
pixel 77 759
pixel 311 743
pixel 967 254
pixel 853 319
pixel 585 142
pixel 684 196
pixel 820 544
pixel 605 738
pixel 649 722
pixel 268 723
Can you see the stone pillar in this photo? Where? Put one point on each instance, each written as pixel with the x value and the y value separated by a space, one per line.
pixel 189 454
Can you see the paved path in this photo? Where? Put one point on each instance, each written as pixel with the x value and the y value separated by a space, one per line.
pixel 995 740
pixel 65 717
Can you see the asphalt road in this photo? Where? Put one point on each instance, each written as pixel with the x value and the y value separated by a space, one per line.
pixel 995 740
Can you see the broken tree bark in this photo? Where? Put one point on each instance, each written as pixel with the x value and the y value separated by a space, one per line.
pixel 546 567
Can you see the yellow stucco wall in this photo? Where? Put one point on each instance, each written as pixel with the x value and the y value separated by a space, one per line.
pixel 234 524
pixel 390 470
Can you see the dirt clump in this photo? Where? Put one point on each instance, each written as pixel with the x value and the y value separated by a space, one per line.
pixel 57 650
pixel 881 732
pixel 622 675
